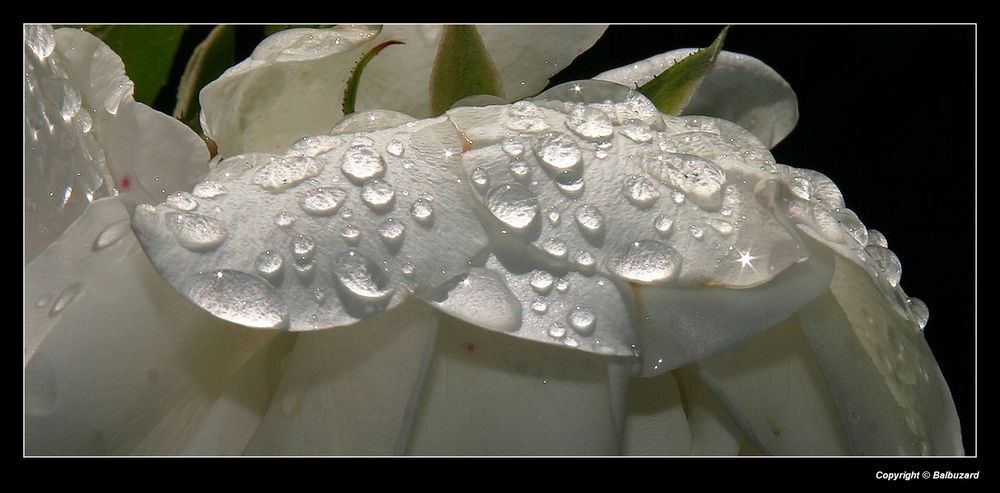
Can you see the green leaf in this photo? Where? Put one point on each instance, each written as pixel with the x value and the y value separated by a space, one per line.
pixel 210 58
pixel 462 68
pixel 671 90
pixel 147 51
pixel 351 93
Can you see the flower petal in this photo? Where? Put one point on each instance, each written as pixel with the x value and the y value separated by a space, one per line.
pixel 739 88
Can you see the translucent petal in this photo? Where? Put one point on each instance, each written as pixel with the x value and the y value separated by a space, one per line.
pixel 272 99
pixel 739 88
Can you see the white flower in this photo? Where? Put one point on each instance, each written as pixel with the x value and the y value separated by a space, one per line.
pixel 596 230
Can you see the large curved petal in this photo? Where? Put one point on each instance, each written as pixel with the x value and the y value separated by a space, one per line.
pixel 739 88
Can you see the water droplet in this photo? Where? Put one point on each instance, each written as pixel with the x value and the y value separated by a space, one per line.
pixel 245 299
pixel 887 263
pixel 696 231
pixel 111 234
pixel 723 227
pixel 524 116
pixel 351 234
pixel 43 300
pixel 645 261
pixel 557 150
pixel 362 163
pixel 362 284
pixel 555 247
pixel 195 232
pixel 303 249
pixel 697 177
pixel 270 266
pixel 557 330
pixel 663 225
pixel 562 285
pixel 585 259
pixel 513 204
pixel 284 219
pixel 590 123
pixel 209 189
pixel 640 191
pixel 677 196
pixel 590 220
pixel 181 201
pixel 284 172
pixel 379 195
pixel 480 180
pixel 636 130
pixel 541 281
pixel 65 297
pixel 512 147
pixel 394 147
pixel 875 237
pixel 582 320
pixel 521 171
pixel 423 212
pixel 920 311
pixel 553 216
pixel 322 201
pixel 539 306
pixel 392 232
pixel 570 182
pixel 407 270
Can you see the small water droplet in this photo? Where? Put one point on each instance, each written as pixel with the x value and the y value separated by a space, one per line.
pixel 111 234
pixel 590 220
pixel 303 249
pixel 562 285
pixel 209 189
pixel 512 147
pixel 645 261
pixel 557 330
pixel 43 300
pixel 541 281
pixel 640 191
pixel 270 266
pixel 481 180
pixel 407 270
pixel 582 320
pixel 585 259
pixel 663 225
pixel 391 231
pixel 284 219
pixel 362 284
pixel 557 150
pixel 539 306
pixel 920 311
pixel 196 232
pixel 351 234
pixel 590 123
pixel 322 201
pixel 362 163
pixel 553 216
pixel 570 182
pixel 394 147
pixel 524 116
pixel 181 201
pixel 378 195
pixel 281 173
pixel 245 299
pixel 723 227
pixel 555 247
pixel 636 130
pixel 696 231
pixel 423 212
pixel 65 297
pixel 513 204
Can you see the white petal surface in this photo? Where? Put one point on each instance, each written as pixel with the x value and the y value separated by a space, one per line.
pixel 739 88
pixel 490 394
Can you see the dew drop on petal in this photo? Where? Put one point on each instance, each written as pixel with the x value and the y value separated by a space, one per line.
pixel 645 261
pixel 539 306
pixel 181 201
pixel 423 212
pixel 584 259
pixel 303 249
pixel 696 231
pixel 513 204
pixel 195 232
pixel 481 180
pixel 361 283
pixel 269 265
pixel 582 320
pixel 663 225
pixel 378 195
pixel 394 147
pixel 557 150
pixel 209 189
pixel 351 234
pixel 391 231
pixel 512 147
pixel 555 247
pixel 362 163
pixel 322 201
pixel 238 297
pixel 524 116
pixel 520 170
pixel 541 281
pixel 562 285
pixel 636 130
pixel 640 191
pixel 65 297
pixel 111 234
pixel 557 330
pixel 920 311
pixel 284 219
pixel 590 220
pixel 590 123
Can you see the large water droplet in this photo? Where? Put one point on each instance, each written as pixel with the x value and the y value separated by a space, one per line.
pixel 645 261
pixel 582 320
pixel 195 232
pixel 637 130
pixel 557 150
pixel 322 201
pixel 362 284
pixel 238 297
pixel 181 201
pixel 111 234
pixel 590 123
pixel 887 263
pixel 362 163
pixel 209 189
pixel 284 172
pixel 524 116
pixel 513 204
pixel 920 311
pixel 394 147
pixel 590 220
pixel 700 179
pixel 640 191
pixel 270 266
pixel 379 195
